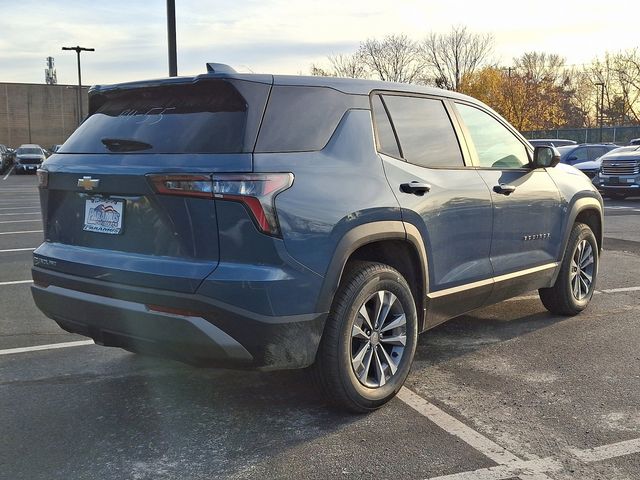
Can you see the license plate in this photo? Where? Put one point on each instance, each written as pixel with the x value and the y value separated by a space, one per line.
pixel 614 180
pixel 102 215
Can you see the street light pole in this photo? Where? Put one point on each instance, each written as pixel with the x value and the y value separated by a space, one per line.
pixel 171 37
pixel 79 49
pixel 601 85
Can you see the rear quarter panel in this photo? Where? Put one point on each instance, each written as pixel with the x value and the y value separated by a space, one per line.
pixel 335 190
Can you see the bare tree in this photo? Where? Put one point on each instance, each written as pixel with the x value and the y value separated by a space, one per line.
pixel 451 56
pixel 396 58
pixel 541 66
pixel 341 65
pixel 627 74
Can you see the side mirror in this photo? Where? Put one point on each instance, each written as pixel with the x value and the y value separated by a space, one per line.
pixel 545 157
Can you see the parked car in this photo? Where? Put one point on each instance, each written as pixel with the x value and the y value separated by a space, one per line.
pixel 619 175
pixel 585 156
pixel 272 222
pixel 551 142
pixel 5 158
pixel 12 154
pixel 28 158
pixel 634 141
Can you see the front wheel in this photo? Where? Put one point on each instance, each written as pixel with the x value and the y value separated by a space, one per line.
pixel 576 281
pixel 369 340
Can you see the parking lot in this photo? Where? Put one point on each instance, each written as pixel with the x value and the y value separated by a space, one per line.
pixel 507 392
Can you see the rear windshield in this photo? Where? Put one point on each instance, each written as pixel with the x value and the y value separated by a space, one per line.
pixel 208 116
pixel 29 151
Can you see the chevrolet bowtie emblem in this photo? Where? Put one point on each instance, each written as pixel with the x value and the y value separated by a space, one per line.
pixel 88 183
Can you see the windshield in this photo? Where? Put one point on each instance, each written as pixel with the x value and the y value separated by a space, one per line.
pixel 29 151
pixel 564 151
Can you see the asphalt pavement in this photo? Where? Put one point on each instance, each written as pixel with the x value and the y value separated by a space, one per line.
pixel 509 391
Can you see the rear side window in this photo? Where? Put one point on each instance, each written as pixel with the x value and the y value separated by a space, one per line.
pixel 209 116
pixel 385 138
pixel 302 119
pixel 425 131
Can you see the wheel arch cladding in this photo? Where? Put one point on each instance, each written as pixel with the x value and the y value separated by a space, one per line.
pixel 385 242
pixel 587 210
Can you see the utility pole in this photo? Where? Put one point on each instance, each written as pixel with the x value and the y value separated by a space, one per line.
pixel 79 49
pixel 171 37
pixel 601 85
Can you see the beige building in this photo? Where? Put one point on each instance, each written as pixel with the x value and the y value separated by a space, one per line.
pixel 38 113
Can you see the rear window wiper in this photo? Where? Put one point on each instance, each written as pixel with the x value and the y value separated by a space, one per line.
pixel 125 145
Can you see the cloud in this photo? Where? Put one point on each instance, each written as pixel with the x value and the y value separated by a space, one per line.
pixel 279 36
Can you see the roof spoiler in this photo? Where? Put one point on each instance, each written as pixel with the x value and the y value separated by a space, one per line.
pixel 219 68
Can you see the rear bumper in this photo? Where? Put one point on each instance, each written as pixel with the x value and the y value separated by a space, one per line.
pixel 210 334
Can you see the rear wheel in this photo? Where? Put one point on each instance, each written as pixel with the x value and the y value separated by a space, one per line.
pixel 577 278
pixel 369 340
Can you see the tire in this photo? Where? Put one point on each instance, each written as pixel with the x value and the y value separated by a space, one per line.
pixel 347 335
pixel 570 295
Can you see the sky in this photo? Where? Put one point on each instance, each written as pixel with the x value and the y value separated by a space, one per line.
pixel 278 36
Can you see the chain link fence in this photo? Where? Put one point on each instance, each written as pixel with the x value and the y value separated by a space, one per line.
pixel 619 135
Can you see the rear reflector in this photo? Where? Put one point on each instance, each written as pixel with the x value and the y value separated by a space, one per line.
pixel 256 191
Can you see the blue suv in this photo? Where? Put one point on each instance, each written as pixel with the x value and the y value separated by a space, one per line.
pixel 273 222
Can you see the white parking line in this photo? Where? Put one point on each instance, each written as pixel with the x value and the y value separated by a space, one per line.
pixel 21 213
pixel 21 232
pixel 51 346
pixel 606 452
pixel 9 172
pixel 15 282
pixel 18 208
pixel 510 465
pixel 21 221
pixel 620 290
pixel 28 191
pixel 455 427
pixel 8 250
pixel 548 464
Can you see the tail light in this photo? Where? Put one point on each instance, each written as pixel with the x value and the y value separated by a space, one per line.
pixel 256 191
pixel 43 178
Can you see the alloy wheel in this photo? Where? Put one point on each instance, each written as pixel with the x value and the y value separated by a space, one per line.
pixel 378 339
pixel 582 267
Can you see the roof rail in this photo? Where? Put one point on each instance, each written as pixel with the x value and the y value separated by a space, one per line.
pixel 219 68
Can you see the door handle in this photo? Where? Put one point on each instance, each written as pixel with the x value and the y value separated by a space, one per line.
pixel 416 188
pixel 504 189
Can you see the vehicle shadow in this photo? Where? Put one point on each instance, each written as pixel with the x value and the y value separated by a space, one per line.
pixel 120 415
pixel 485 327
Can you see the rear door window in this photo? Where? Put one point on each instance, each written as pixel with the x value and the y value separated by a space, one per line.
pixel 208 116
pixel 424 131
